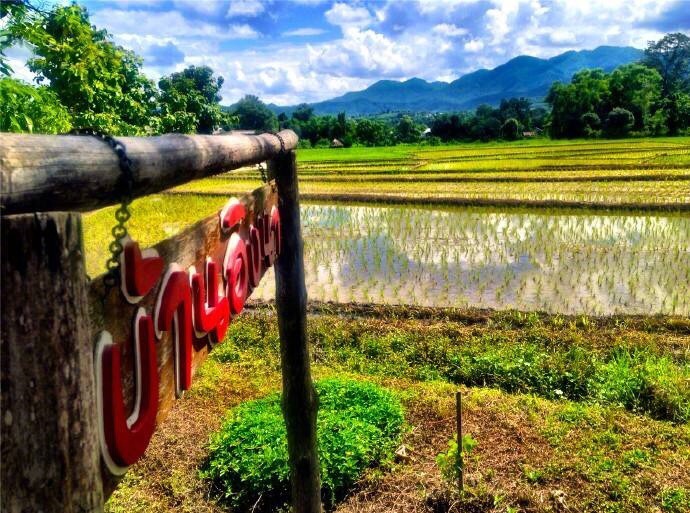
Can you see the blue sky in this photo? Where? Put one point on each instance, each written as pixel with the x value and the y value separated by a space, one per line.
pixel 289 51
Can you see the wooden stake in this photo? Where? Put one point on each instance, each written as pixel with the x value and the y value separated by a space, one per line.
pixel 461 461
pixel 299 397
pixel 50 451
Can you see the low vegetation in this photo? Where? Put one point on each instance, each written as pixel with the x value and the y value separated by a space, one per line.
pixel 540 453
pixel 359 425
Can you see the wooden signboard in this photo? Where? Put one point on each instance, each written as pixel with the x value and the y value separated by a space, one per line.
pixel 88 370
pixel 173 304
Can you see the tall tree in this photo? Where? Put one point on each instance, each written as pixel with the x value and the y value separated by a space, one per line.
pixel 253 114
pixel 303 112
pixel 189 101
pixel 407 131
pixel 670 56
pixel 100 84
pixel 636 88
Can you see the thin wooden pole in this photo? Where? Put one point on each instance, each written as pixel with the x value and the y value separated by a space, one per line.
pixel 300 402
pixel 50 451
pixel 461 460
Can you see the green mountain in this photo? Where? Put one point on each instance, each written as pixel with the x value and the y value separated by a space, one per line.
pixel 525 76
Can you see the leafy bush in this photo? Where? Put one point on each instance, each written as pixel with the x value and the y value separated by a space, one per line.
pixel 619 122
pixel 31 109
pixel 358 423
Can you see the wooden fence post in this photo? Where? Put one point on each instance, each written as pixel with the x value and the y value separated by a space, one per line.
pixel 299 397
pixel 50 451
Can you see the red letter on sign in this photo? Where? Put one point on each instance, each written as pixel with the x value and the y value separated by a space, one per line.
pixel 211 310
pixel 232 214
pixel 236 270
pixel 124 440
pixel 140 271
pixel 255 257
pixel 174 313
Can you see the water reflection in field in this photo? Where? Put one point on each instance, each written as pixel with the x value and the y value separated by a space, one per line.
pixel 535 260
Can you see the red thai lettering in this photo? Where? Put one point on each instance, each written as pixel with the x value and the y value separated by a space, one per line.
pixel 174 314
pixel 255 256
pixel 126 438
pixel 211 309
pixel 236 270
pixel 140 270
pixel 232 214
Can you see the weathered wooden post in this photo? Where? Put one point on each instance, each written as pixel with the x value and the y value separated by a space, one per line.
pixel 50 451
pixel 299 397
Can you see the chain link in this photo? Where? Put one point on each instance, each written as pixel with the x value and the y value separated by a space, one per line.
pixel 260 166
pixel 282 142
pixel 122 214
pixel 262 171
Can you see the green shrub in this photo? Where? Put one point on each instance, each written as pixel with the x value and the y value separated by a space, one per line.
pixel 448 462
pixel 359 425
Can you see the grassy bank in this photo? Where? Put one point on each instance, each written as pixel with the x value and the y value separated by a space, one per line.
pixel 537 450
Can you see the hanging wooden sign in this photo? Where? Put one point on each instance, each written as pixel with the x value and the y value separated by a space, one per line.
pixel 175 302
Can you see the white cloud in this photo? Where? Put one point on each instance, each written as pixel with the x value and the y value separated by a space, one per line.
pixel 474 46
pixel 243 31
pixel 499 20
pixel 303 32
pixel 431 39
pixel 249 8
pixel 449 30
pixel 161 24
pixel 347 16
pixel 562 36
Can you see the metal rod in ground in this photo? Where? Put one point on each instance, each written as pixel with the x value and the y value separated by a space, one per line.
pixel 460 462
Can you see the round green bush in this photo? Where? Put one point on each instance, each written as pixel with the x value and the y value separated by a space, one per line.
pixel 358 424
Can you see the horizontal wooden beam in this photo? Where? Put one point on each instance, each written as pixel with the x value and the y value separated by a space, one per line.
pixel 40 173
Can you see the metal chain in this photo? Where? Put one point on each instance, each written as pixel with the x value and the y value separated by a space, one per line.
pixel 122 214
pixel 262 170
pixel 282 143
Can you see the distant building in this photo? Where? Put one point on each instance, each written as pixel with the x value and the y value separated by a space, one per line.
pixel 222 131
pixel 336 143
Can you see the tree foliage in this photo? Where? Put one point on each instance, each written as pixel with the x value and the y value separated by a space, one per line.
pixel 189 101
pixel 99 83
pixel 654 92
pixel 253 114
pixel 31 109
pixel 619 122
pixel 407 131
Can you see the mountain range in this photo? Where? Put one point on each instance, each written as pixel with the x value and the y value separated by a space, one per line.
pixel 523 76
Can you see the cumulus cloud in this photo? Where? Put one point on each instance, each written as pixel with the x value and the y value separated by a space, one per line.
pixel 449 30
pixel 348 16
pixel 248 8
pixel 254 43
pixel 304 32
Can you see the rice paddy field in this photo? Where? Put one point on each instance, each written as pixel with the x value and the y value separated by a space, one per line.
pixel 548 280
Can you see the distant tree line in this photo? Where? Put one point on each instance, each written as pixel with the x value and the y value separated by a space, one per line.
pixel 647 98
pixel 509 121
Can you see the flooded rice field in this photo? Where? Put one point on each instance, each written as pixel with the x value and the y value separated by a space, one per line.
pixel 547 260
